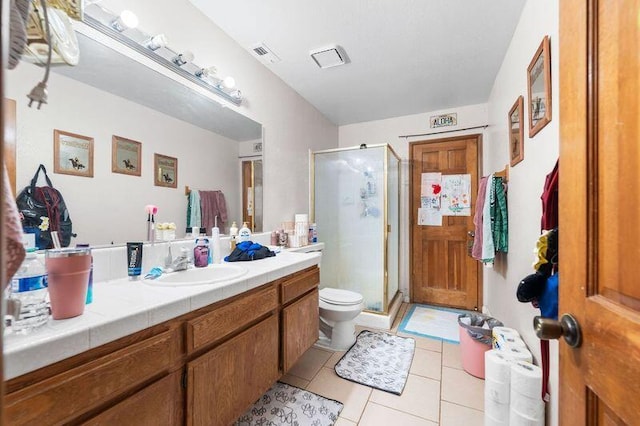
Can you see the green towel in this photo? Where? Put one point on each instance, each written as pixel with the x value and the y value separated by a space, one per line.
pixel 499 216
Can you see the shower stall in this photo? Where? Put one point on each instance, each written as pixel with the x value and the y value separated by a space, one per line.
pixel 355 204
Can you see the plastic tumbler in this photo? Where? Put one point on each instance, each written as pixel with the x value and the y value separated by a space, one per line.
pixel 68 277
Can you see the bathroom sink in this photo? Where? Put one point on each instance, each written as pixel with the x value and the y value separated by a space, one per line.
pixel 199 276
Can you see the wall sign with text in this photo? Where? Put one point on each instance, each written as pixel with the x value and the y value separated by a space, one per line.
pixel 444 120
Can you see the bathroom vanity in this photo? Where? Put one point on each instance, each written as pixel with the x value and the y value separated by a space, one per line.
pixel 203 367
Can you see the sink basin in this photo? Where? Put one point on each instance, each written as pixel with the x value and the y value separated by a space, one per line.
pixel 199 276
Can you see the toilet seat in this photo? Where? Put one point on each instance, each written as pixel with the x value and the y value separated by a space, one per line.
pixel 339 297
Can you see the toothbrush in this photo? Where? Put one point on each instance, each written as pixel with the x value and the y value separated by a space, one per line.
pixel 151 211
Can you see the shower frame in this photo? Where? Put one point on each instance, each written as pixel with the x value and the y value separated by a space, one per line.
pixel 312 203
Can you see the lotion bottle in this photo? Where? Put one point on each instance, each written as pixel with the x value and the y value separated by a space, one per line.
pixel 215 245
pixel 244 233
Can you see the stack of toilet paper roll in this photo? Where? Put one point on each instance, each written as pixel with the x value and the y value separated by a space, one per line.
pixel 512 383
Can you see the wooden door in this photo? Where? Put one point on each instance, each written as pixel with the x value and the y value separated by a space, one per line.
pixel 247 194
pixel 160 403
pixel 599 210
pixel 442 271
pixel 225 381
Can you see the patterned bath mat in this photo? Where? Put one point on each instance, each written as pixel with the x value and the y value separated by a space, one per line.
pixel 432 322
pixel 284 404
pixel 379 360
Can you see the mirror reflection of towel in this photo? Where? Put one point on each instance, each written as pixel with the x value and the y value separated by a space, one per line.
pixel 212 204
pixel 12 231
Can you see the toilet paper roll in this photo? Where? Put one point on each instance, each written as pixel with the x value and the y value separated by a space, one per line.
pixel 491 421
pixel 499 413
pixel 499 333
pixel 519 419
pixel 504 340
pixel 505 330
pixel 497 366
pixel 497 391
pixel 526 380
pixel 518 353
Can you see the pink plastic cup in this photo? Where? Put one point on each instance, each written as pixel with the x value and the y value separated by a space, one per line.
pixel 68 277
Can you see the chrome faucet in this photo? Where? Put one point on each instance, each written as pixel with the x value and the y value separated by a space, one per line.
pixel 180 263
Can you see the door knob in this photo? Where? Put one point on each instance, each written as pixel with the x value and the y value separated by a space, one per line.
pixel 567 327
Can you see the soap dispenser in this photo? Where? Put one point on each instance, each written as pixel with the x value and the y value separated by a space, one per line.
pixel 233 230
pixel 244 233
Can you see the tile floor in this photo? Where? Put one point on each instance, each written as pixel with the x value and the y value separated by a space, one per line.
pixel 438 390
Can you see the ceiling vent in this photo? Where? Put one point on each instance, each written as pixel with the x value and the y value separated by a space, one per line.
pixel 331 56
pixel 265 54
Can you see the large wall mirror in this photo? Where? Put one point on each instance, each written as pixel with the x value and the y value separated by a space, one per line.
pixel 115 91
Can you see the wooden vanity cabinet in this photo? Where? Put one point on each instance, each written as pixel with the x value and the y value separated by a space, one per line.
pixel 204 368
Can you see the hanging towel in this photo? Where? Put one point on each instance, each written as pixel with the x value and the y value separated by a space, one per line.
pixel 194 218
pixel 499 216
pixel 12 231
pixel 488 249
pixel 222 208
pixel 550 200
pixel 476 251
pixel 213 204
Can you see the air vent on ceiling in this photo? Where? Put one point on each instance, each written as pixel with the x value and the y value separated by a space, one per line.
pixel 331 56
pixel 265 54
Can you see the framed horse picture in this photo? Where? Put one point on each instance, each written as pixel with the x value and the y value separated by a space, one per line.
pixel 165 171
pixel 72 154
pixel 126 156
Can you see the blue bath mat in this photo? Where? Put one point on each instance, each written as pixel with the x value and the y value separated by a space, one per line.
pixel 432 322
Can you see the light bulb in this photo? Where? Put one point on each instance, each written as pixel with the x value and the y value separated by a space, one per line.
pixel 229 82
pixel 207 73
pixel 236 94
pixel 183 58
pixel 157 41
pixel 126 20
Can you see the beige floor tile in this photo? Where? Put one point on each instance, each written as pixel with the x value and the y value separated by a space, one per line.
pixel 379 415
pixel 426 364
pixel 421 397
pixel 294 381
pixel 334 359
pixel 456 415
pixel 310 363
pixel 424 342
pixel 451 355
pixel 462 388
pixel 344 422
pixel 353 395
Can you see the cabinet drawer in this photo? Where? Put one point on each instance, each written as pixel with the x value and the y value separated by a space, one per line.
pixel 225 320
pixel 299 284
pixel 68 395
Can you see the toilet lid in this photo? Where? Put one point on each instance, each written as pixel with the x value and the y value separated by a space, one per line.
pixel 338 296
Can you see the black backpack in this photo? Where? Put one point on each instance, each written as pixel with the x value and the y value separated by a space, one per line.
pixel 42 210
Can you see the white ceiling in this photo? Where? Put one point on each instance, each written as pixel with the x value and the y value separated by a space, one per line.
pixel 407 56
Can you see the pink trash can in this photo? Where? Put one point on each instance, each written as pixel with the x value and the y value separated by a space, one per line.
pixel 472 354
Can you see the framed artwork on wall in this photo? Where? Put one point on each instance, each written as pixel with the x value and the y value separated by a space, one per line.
pixel 165 171
pixel 539 88
pixel 126 156
pixel 516 132
pixel 72 154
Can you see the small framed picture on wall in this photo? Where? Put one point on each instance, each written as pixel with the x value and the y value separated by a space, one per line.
pixel 72 154
pixel 516 132
pixel 539 88
pixel 126 156
pixel 165 171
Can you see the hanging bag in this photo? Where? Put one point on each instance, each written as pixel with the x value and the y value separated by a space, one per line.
pixel 42 210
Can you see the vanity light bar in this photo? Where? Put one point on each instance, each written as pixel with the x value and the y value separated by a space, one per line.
pixel 230 95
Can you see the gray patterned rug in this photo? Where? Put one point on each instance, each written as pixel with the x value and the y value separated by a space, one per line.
pixel 379 360
pixel 288 405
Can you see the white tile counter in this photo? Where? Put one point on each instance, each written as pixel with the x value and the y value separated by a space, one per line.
pixel 121 307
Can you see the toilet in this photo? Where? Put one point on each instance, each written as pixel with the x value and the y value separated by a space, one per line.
pixel 338 310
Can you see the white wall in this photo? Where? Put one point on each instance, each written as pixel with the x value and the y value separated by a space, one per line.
pixel 526 180
pixel 110 207
pixel 292 126
pixel 388 131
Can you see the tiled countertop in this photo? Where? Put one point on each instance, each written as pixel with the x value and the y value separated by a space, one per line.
pixel 121 307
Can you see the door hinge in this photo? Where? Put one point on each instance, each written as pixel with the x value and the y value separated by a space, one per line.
pixel 184 379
